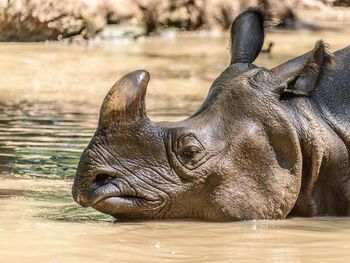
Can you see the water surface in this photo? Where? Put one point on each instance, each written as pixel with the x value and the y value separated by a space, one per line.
pixel 49 100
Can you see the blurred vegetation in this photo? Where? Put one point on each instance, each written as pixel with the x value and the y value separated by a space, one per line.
pixel 39 20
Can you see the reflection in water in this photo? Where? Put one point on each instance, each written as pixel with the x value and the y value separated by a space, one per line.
pixel 43 140
pixel 46 139
pixel 49 100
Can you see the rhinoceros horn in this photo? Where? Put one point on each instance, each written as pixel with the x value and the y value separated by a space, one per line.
pixel 125 102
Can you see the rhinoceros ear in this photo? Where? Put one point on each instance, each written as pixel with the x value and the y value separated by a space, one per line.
pixel 125 102
pixel 300 75
pixel 247 35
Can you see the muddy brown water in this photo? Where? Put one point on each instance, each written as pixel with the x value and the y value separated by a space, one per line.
pixel 49 100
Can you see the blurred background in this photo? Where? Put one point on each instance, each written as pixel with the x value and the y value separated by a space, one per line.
pixel 58 61
pixel 39 20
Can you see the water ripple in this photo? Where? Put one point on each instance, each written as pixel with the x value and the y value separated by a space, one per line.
pixel 44 139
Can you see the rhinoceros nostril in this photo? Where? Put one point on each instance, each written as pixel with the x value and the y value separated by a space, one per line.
pixel 102 179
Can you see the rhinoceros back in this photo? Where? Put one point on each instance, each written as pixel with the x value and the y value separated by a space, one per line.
pixel 332 95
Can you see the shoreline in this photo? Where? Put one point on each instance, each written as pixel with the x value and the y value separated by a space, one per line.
pixel 79 22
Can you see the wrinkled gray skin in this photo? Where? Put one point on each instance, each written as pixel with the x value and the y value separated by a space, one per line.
pixel 266 143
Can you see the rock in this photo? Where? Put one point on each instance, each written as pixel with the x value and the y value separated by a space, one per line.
pixel 39 20
pixel 342 2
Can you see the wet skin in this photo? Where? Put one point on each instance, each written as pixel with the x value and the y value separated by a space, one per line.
pixel 266 143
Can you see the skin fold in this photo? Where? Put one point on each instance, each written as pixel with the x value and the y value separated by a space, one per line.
pixel 265 144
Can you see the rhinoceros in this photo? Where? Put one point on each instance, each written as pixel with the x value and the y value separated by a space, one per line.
pixel 265 144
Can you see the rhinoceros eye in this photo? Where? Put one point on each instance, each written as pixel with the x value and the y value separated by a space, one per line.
pixel 189 151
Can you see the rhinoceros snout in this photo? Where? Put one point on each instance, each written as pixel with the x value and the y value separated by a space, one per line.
pixel 84 191
pixel 79 198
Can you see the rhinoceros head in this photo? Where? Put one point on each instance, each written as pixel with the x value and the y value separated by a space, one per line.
pixel 238 157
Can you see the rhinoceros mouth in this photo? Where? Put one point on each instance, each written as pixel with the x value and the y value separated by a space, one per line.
pixel 114 196
pixel 125 205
